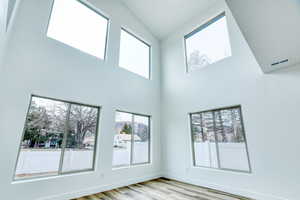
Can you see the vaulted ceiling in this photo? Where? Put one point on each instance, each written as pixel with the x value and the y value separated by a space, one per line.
pixel 271 29
pixel 164 16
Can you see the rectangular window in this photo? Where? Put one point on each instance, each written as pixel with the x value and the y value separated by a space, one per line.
pixel 80 26
pixel 134 54
pixel 59 137
pixel 207 44
pixel 219 139
pixel 131 140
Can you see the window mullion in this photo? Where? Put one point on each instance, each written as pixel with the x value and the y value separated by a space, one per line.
pixel 150 140
pixel 132 140
pixel 64 142
pixel 216 139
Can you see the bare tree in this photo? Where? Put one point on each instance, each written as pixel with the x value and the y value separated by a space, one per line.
pixel 83 121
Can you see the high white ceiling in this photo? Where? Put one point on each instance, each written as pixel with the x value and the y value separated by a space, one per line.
pixel 164 16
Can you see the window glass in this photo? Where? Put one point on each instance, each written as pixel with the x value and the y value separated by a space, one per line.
pixel 208 44
pixel 231 140
pixel 78 26
pixel 141 140
pixel 42 141
pixel 134 54
pixel 204 140
pixel 81 138
pixel 122 139
pixel 58 137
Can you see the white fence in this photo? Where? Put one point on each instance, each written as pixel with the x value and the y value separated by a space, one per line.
pixel 232 155
pixel 121 156
pixel 47 161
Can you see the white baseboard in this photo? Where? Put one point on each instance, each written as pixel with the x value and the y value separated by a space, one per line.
pixel 102 188
pixel 241 192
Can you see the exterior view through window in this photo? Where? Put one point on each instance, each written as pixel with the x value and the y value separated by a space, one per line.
pixel 134 54
pixel 219 139
pixel 59 137
pixel 131 140
pixel 207 44
pixel 79 26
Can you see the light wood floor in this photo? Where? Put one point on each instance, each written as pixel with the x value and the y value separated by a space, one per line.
pixel 163 189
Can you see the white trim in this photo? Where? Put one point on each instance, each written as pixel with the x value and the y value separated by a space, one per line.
pixel 94 190
pixel 237 191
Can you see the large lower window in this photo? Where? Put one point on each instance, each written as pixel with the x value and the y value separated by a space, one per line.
pixel 79 25
pixel 219 139
pixel 134 54
pixel 131 140
pixel 207 44
pixel 59 137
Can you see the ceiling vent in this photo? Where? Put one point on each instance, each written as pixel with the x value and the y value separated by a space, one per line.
pixel 280 62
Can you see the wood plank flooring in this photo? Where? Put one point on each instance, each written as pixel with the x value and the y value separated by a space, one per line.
pixel 163 189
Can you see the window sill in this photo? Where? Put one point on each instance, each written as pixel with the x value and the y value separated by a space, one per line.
pixel 131 166
pixel 43 178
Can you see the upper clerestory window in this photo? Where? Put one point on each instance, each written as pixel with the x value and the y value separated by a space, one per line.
pixel 134 54
pixel 207 44
pixel 80 26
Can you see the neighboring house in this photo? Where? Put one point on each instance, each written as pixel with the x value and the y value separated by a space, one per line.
pixel 89 140
pixel 120 140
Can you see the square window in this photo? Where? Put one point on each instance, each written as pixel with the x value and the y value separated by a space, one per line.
pixel 134 54
pixel 131 140
pixel 78 25
pixel 59 137
pixel 207 44
pixel 219 140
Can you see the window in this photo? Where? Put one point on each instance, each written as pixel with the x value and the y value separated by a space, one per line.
pixel 80 26
pixel 207 44
pixel 59 137
pixel 219 139
pixel 131 140
pixel 134 54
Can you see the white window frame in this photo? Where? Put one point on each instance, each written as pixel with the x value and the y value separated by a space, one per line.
pixel 60 169
pixel 131 164
pixel 150 53
pixel 93 9
pixel 239 107
pixel 197 30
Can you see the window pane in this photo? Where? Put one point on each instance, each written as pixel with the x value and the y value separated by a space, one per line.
pixel 134 55
pixel 43 134
pixel 208 44
pixel 219 139
pixel 75 24
pixel 231 140
pixel 141 140
pixel 205 152
pixel 122 139
pixel 81 138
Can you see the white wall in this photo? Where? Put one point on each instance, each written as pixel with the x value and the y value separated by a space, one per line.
pixel 3 16
pixel 270 106
pixel 35 64
pixel 10 9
